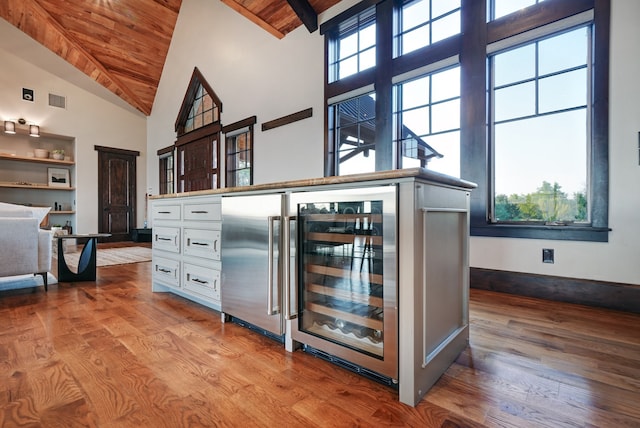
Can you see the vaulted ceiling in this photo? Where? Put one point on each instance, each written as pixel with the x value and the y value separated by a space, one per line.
pixel 122 44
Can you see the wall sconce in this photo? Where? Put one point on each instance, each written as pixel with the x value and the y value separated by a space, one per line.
pixel 9 127
pixel 34 131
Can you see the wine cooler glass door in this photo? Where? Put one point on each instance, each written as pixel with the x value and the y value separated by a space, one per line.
pixel 347 275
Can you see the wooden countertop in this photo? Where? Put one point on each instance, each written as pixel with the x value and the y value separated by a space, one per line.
pixel 421 173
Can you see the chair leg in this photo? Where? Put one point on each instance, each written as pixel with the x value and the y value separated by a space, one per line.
pixel 45 279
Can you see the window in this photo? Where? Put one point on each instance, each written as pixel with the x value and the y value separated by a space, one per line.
pixel 500 8
pixel 427 121
pixel 166 169
pixel 239 159
pixel 203 111
pixel 539 118
pixel 356 134
pixel 424 22
pixel 509 94
pixel 239 150
pixel 354 48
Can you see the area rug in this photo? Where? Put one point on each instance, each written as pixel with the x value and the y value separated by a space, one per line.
pixel 113 256
pixel 25 281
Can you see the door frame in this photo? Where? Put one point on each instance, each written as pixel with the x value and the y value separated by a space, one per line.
pixel 133 177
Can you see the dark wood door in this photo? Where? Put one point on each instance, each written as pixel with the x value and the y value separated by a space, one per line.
pixel 116 192
pixel 198 164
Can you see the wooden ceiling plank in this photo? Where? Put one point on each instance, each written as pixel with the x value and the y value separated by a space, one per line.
pixel 253 18
pixel 129 34
pixel 106 79
pixel 172 5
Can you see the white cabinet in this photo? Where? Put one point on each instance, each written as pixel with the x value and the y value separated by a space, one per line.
pixel 166 271
pixel 186 248
pixel 201 243
pixel 46 182
pixel 166 238
pixel 201 280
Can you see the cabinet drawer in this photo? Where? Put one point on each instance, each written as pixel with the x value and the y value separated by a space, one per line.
pixel 166 212
pixel 201 243
pixel 166 239
pixel 166 271
pixel 203 281
pixel 205 211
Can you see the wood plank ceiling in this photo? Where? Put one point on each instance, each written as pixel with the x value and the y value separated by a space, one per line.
pixel 122 44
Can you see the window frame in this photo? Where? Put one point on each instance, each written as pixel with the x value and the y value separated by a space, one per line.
pixel 164 156
pixel 398 111
pixel 582 21
pixel 536 16
pixel 471 48
pixel 399 34
pixel 354 26
pixel 232 131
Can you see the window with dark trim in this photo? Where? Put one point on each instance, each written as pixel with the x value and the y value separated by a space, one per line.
pixel 487 29
pixel 354 49
pixel 538 115
pixel 166 170
pixel 239 152
pixel 424 22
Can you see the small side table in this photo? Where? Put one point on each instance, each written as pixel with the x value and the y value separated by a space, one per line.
pixel 86 263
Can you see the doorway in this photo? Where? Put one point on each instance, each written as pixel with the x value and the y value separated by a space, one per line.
pixel 116 192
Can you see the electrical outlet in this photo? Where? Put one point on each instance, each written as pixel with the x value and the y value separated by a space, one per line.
pixel 548 255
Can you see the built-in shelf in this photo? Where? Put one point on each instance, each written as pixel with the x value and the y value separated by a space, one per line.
pixel 25 179
pixel 36 160
pixel 34 186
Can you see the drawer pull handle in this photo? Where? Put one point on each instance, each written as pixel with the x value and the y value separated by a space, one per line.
pixel 160 238
pixel 199 212
pixel 164 212
pixel 202 244
pixel 163 270
pixel 199 281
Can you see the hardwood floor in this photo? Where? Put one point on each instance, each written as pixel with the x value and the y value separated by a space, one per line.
pixel 112 354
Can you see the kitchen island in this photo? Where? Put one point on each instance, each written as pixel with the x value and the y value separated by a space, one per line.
pixel 369 271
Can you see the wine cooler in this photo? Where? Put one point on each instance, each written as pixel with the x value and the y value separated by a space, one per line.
pixel 346 277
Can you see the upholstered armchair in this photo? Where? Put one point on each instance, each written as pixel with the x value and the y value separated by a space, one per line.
pixel 24 247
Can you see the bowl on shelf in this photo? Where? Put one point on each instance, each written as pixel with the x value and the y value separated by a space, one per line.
pixel 57 156
pixel 41 153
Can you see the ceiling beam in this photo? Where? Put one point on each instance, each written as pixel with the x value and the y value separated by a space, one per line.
pixel 305 12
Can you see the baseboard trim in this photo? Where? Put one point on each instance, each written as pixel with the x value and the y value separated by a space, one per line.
pixel 610 295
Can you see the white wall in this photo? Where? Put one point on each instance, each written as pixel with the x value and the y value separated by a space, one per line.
pixel 89 118
pixel 253 73
pixel 256 74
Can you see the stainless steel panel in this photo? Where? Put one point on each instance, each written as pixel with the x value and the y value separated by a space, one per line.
pixel 250 260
